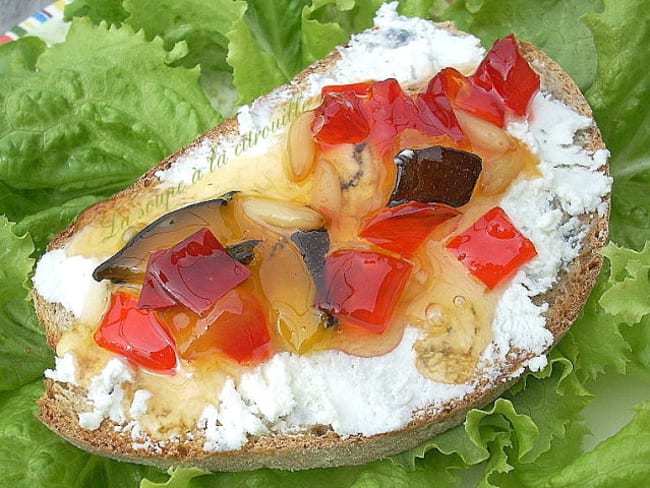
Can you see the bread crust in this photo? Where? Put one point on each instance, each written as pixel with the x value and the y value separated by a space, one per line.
pixel 320 447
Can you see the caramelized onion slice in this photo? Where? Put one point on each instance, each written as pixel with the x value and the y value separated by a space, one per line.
pixel 435 174
pixel 129 264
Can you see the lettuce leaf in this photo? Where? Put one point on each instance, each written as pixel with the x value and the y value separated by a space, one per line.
pixel 563 451
pixel 621 460
pixel 275 40
pixel 43 225
pixel 616 97
pixel 518 429
pixel 638 338
pixel 595 343
pixel 422 8
pixel 23 351
pixel 104 96
pixel 381 474
pixel 203 26
pixel 265 47
pixel 31 455
pixel 328 23
pixel 629 290
pixel 20 56
pixel 555 26
pixel 626 300
pixel 110 11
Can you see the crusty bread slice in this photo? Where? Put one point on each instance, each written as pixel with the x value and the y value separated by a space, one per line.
pixel 320 446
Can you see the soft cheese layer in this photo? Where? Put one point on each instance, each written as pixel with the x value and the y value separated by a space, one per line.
pixel 370 395
pixel 68 280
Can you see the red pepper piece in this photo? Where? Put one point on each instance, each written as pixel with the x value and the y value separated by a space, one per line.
pixel 492 249
pixel 362 287
pixel 404 228
pixel 360 89
pixel 195 273
pixel 338 119
pixel 467 96
pixel 236 326
pixel 378 111
pixel 437 111
pixel 390 110
pixel 393 111
pixel 505 70
pixel 137 335
pixel 153 294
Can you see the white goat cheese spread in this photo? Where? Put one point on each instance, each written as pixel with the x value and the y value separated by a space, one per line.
pixel 356 395
pixel 106 395
pixel 65 369
pixel 68 280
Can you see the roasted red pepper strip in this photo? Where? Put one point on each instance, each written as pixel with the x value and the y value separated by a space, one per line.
pixel 153 294
pixel 506 71
pixel 137 335
pixel 338 119
pixel 195 273
pixel 404 228
pixel 436 107
pixel 466 95
pixel 377 112
pixel 360 89
pixel 492 249
pixel 362 287
pixel 236 326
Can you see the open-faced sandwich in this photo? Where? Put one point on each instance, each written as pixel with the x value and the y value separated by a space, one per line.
pixel 341 271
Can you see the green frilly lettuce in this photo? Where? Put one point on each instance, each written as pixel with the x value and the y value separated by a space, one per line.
pixel 134 81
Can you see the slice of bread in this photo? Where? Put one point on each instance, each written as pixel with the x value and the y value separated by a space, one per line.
pixel 120 436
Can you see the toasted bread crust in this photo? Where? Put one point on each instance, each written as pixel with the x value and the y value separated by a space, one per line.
pixel 320 447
